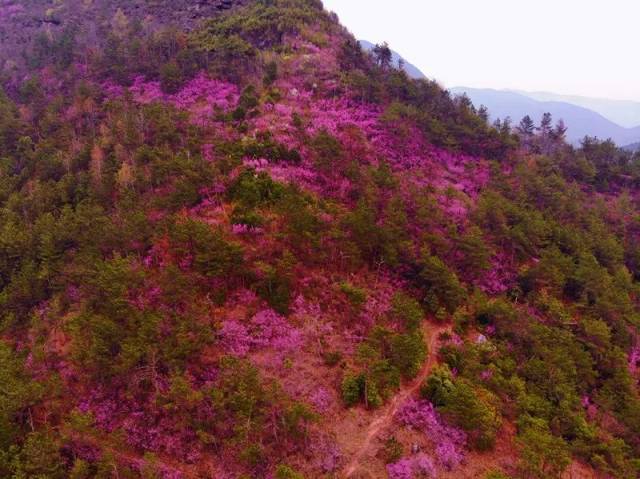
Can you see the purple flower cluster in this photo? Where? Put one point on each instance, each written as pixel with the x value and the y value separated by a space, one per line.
pixel 202 96
pixel 420 465
pixel 267 329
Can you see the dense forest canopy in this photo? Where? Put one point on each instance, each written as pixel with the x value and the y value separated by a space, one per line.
pixel 224 251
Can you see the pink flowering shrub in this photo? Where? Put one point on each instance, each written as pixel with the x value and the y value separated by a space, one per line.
pixel 201 96
pixel 10 10
pixel 325 452
pixel 145 425
pixel 486 375
pixel 500 277
pixel 267 329
pixel 270 330
pixel 243 229
pixel 590 408
pixel 420 465
pixel 634 360
pixel 235 338
pixel 321 399
pixel 423 464
pixel 376 306
pixel 449 441
pixel 403 469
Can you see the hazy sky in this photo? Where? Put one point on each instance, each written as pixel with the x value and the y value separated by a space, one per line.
pixel 583 47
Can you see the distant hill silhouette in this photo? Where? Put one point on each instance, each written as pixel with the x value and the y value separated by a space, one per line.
pixel 412 70
pixel 622 112
pixel 633 147
pixel 580 121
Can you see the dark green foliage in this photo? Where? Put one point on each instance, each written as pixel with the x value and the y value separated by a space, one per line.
pixel 10 126
pixel 440 285
pixel 408 352
pixel 475 411
pixel 496 475
pixel 357 296
pixel 408 311
pixel 58 50
pixel 329 152
pixel 18 394
pixel 285 472
pixel 274 282
pixel 383 360
pixel 332 358
pixel 39 457
pixel 270 73
pixel 212 255
pixel 262 24
pixel 439 386
pixel 475 253
pixel 241 392
pixel 470 407
pixel 246 401
pixel 380 236
pixel 171 78
pixel 265 147
pixel 112 336
pixel 543 455
pixel 392 450
pixel 247 104
pixel 352 389
pixel 252 190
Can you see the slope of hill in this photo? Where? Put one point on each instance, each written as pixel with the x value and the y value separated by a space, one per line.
pixel 244 248
pixel 621 112
pixel 581 121
pixel 412 70
pixel 28 22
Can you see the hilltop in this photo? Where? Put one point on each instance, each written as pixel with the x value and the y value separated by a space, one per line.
pixel 398 61
pixel 233 244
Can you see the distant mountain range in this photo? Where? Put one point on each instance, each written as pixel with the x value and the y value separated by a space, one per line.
pixel 580 121
pixel 584 116
pixel 624 113
pixel 412 70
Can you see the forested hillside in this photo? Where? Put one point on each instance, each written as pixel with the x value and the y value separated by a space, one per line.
pixel 245 248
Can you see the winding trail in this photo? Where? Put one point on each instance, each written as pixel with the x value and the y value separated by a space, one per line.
pixel 384 417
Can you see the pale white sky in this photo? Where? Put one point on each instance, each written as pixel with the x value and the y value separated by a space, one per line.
pixel 582 47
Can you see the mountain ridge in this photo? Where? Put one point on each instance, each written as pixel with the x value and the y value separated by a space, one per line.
pixel 580 121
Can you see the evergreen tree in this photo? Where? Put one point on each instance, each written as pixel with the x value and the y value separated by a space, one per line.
pixel 383 55
pixel 526 127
